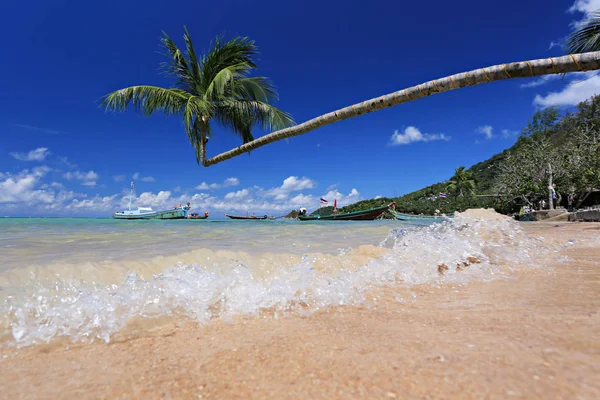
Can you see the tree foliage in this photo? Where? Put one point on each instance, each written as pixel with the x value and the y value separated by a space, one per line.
pixel 569 146
pixel 462 182
pixel 569 143
pixel 215 86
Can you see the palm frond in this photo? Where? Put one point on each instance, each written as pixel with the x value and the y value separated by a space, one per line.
pixel 257 88
pixel 147 99
pixel 192 58
pixel 586 37
pixel 256 112
pixel 213 86
pixel 177 66
pixel 222 55
pixel 225 81
pixel 237 118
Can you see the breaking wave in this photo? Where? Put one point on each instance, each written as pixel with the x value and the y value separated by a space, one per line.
pixel 474 245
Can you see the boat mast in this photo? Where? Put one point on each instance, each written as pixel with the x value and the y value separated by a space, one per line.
pixel 130 194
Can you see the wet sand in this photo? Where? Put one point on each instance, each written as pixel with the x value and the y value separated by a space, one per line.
pixel 535 336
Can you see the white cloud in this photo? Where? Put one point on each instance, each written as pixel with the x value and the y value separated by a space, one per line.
pixel 87 178
pixel 229 182
pixel 162 199
pixel 38 154
pixel 486 131
pixel 542 80
pixel 585 6
pixel 206 186
pixel 290 184
pixel 342 200
pixel 96 203
pixel 119 178
pixel 412 135
pixel 302 200
pixel 573 93
pixel 554 44
pixel 41 171
pixel 26 191
pixel 66 161
pixel 21 188
pixel 138 177
pixel 237 195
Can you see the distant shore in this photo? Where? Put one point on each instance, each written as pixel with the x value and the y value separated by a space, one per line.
pixel 530 337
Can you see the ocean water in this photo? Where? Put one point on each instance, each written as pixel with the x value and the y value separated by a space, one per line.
pixel 86 279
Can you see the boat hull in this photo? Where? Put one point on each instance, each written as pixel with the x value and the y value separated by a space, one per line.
pixel 366 215
pixel 176 213
pixel 245 218
pixel 410 217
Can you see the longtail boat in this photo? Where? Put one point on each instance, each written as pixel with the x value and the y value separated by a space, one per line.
pixel 177 212
pixel 363 215
pixel 247 217
pixel 197 216
pixel 422 218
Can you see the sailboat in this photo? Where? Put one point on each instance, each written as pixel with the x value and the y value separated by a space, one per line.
pixel 177 212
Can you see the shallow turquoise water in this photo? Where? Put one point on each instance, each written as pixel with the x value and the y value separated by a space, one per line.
pixel 25 241
pixel 86 279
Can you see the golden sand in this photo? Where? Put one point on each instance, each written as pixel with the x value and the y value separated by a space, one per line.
pixel 535 336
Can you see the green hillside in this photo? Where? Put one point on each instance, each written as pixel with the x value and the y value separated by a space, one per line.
pixel 569 144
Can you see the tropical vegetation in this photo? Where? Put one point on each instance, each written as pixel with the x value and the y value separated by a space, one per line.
pixel 462 182
pixel 215 87
pixel 568 145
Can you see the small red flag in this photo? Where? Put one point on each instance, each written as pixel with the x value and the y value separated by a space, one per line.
pixel 334 204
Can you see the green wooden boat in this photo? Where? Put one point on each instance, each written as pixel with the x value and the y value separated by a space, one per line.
pixel 420 218
pixel 363 215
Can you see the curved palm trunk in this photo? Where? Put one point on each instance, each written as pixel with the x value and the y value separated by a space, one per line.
pixel 203 149
pixel 522 69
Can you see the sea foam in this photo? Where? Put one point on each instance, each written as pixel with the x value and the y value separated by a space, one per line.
pixel 474 245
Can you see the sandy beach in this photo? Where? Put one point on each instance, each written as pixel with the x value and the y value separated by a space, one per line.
pixel 531 336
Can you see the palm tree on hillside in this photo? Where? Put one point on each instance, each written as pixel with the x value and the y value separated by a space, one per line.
pixel 212 87
pixel 587 36
pixel 461 182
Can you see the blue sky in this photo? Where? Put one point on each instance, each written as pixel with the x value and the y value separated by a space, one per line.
pixel 60 154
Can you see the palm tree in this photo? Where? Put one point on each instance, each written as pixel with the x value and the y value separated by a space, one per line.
pixel 215 86
pixel 587 36
pixel 522 69
pixel 461 182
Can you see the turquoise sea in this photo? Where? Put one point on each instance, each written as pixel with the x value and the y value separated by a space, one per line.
pixel 86 279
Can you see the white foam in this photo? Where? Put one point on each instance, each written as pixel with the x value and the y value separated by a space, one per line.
pixel 87 312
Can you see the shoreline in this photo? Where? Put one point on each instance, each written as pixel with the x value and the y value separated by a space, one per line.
pixel 532 336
